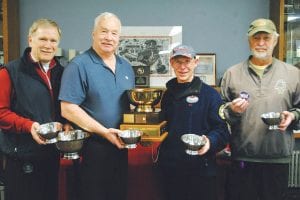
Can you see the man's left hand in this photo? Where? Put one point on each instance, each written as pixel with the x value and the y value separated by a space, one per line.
pixel 287 118
pixel 205 148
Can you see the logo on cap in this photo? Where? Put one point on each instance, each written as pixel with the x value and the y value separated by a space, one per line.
pixel 261 25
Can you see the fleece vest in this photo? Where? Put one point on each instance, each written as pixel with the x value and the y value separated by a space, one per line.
pixel 31 99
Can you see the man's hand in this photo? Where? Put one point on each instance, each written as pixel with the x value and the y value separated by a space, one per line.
pixel 205 148
pixel 239 105
pixel 34 128
pixel 287 118
pixel 67 127
pixel 112 136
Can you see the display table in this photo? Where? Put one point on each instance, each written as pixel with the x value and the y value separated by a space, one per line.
pixel 68 179
pixel 142 178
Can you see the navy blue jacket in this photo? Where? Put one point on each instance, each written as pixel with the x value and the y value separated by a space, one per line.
pixel 200 118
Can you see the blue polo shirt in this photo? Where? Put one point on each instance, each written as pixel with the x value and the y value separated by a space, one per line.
pixel 89 83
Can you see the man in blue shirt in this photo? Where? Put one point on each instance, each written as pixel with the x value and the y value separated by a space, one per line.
pixel 93 96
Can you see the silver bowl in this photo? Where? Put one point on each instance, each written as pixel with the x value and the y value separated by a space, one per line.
pixel 70 143
pixel 130 138
pixel 49 131
pixel 272 119
pixel 144 98
pixel 193 143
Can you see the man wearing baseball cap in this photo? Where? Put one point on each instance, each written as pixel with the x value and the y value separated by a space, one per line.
pixel 260 154
pixel 190 106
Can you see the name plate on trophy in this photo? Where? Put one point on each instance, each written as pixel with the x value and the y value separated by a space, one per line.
pixel 149 130
pixel 142 76
pixel 141 118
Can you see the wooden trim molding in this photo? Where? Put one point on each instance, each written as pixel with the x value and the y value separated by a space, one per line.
pixel 11 29
pixel 277 16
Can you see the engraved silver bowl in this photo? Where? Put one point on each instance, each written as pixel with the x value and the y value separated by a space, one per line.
pixel 130 138
pixel 49 131
pixel 272 119
pixel 193 143
pixel 70 143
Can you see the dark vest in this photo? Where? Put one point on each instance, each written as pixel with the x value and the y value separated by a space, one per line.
pixel 31 99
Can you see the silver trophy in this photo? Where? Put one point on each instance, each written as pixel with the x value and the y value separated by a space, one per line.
pixel 130 138
pixel 272 119
pixel 49 131
pixel 193 143
pixel 70 143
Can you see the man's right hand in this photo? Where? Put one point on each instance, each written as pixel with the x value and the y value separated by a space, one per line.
pixel 34 128
pixel 112 136
pixel 239 105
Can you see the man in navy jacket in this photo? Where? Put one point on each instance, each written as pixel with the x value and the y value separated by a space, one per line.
pixel 190 106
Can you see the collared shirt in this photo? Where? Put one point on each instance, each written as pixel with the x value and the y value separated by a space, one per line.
pixel 88 82
pixel 276 91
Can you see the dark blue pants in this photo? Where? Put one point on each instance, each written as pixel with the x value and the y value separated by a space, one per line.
pixel 103 171
pixel 32 179
pixel 257 181
pixel 186 184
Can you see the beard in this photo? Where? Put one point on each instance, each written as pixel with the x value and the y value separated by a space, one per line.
pixel 262 55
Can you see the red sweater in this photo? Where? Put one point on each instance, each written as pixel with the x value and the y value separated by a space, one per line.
pixel 10 120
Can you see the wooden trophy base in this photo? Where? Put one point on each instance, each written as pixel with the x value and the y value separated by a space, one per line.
pixel 151 132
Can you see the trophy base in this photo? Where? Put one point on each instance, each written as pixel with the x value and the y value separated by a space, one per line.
pixel 71 156
pixel 142 118
pixel 130 146
pixel 149 130
pixel 191 152
pixel 51 141
pixel 273 127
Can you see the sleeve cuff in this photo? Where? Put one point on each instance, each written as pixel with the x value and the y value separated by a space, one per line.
pixel 27 127
pixel 296 112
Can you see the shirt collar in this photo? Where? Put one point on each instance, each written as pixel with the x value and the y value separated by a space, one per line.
pixel 97 59
pixel 51 64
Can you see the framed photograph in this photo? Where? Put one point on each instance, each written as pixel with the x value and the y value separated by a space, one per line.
pixel 206 69
pixel 150 46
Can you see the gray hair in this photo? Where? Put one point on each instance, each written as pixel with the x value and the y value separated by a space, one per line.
pixel 105 15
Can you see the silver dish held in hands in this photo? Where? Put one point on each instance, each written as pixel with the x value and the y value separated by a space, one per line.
pixel 49 131
pixel 193 143
pixel 130 138
pixel 70 143
pixel 272 119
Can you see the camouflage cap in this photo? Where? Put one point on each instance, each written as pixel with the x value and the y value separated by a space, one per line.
pixel 261 25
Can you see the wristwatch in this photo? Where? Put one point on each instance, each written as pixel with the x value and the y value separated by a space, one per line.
pixel 221 110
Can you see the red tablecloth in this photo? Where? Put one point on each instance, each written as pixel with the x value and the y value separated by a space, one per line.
pixel 142 180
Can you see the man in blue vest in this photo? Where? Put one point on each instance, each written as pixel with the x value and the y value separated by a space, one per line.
pixel 28 98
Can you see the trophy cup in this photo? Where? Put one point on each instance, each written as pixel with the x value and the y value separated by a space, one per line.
pixel 70 143
pixel 272 119
pixel 145 117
